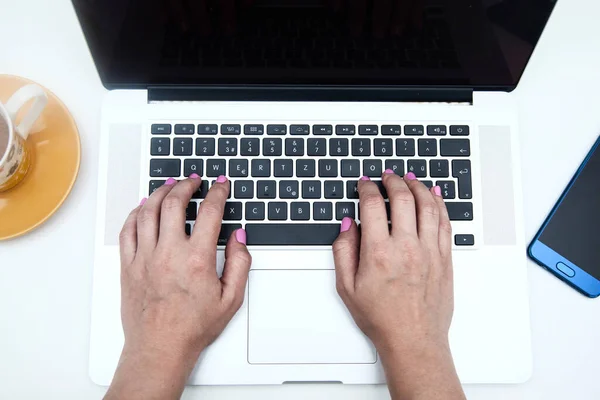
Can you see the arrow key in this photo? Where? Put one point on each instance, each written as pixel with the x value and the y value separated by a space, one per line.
pixel 464 240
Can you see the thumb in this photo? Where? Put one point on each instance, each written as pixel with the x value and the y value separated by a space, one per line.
pixel 346 256
pixel 237 267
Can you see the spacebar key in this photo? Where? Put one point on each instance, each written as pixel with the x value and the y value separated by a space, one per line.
pixel 292 234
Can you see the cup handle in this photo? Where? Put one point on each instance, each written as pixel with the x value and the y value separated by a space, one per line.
pixel 19 99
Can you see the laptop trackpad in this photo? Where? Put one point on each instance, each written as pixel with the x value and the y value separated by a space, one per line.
pixel 297 317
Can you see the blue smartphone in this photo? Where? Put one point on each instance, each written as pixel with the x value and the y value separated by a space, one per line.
pixel 568 243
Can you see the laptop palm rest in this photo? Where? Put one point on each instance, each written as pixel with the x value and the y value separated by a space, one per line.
pixel 297 317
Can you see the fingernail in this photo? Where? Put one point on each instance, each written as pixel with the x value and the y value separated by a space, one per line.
pixel 194 176
pixel 389 171
pixel 438 191
pixel 170 181
pixel 144 200
pixel 410 176
pixel 221 179
pixel 365 178
pixel 346 224
pixel 240 236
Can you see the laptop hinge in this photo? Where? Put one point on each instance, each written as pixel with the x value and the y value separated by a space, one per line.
pixel 310 93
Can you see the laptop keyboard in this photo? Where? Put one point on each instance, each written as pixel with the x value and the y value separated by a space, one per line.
pixel 291 184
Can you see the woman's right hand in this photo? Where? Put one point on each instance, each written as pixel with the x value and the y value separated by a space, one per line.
pixel 398 284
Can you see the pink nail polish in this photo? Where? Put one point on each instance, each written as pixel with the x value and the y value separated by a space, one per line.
pixel 170 181
pixel 240 236
pixel 410 176
pixel 365 178
pixel 144 200
pixel 346 224
pixel 221 179
pixel 389 171
pixel 438 191
pixel 194 176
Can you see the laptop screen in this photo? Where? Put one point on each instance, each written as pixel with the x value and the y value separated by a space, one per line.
pixel 481 44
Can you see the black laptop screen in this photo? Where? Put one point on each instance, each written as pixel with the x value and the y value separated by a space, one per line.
pixel 472 43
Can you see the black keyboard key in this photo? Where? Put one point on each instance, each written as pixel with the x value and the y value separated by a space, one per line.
pixel 228 147
pixel 160 129
pixel 276 129
pixel 272 147
pixel 427 147
pixel 455 147
pixel 205 147
pixel 154 185
pixel 160 146
pixel 233 211
pixel 395 165
pixel 460 211
pixel 208 129
pixel 202 191
pixel 328 168
pixel 165 168
pixel 338 147
pixel 311 189
pixel 317 147
pixel 283 168
pixel 448 189
pixel 334 189
pixel 343 210
pixel 254 129
pixel 418 167
pixel 277 211
pixel 299 129
pixel 231 129
pixel 391 130
pixel 405 147
pixel 459 130
pixel 439 168
pixel 464 240
pixel 238 168
pixel 345 130
pixel 255 211
pixel 292 234
pixel 461 169
pixel 350 168
pixel 294 147
pixel 188 229
pixel 243 189
pixel 381 189
pixel 193 166
pixel 437 130
pixel 183 147
pixel 305 168
pixel 261 168
pixel 323 211
pixel 266 189
pixel 191 212
pixel 352 189
pixel 414 130
pixel 300 211
pixel 361 147
pixel 185 129
pixel 372 168
pixel 289 190
pixel 322 130
pixel 249 147
pixel 368 130
pixel 215 168
pixel 226 232
pixel 383 147
pixel 427 183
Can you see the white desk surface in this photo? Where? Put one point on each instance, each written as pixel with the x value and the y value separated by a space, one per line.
pixel 45 303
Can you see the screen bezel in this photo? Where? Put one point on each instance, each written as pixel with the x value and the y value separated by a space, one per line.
pixel 546 257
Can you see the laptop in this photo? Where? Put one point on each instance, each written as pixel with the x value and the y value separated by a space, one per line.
pixel 295 100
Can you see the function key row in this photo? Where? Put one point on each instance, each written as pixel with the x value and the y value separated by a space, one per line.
pixel 317 130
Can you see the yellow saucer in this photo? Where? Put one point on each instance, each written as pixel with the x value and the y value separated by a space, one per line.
pixel 57 153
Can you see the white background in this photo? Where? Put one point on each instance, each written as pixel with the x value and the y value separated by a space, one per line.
pixel 46 276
